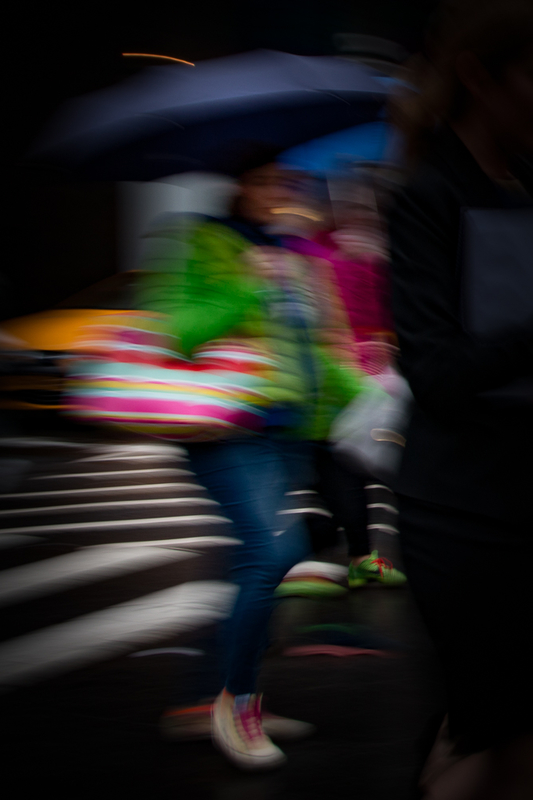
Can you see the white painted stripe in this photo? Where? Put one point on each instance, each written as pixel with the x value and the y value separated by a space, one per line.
pixel 114 631
pixel 77 569
pixel 136 487
pixel 104 452
pixel 112 524
pixel 22 441
pixel 17 541
pixel 109 504
pixel 300 491
pixel 140 447
pixel 385 528
pixel 128 472
pixel 321 511
pixel 185 541
pixel 377 486
pixel 132 457
pixel 393 509
pixel 159 651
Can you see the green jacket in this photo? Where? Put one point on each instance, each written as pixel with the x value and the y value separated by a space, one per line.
pixel 203 281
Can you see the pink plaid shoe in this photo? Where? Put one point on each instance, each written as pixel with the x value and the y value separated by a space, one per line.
pixel 238 733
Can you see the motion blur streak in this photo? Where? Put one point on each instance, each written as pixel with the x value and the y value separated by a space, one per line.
pixel 74 569
pixel 152 55
pixel 114 631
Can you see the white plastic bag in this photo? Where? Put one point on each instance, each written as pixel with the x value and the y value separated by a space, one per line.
pixel 369 434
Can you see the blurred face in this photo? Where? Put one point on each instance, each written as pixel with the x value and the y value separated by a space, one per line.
pixel 265 189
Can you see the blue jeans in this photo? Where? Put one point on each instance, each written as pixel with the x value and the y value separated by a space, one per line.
pixel 249 478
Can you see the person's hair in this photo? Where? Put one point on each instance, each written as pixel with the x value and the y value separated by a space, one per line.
pixel 497 32
pixel 243 156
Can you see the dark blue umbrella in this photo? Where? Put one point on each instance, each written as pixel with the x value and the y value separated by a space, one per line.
pixel 180 118
pixel 376 142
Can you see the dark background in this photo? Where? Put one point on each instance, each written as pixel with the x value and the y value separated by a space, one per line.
pixel 61 236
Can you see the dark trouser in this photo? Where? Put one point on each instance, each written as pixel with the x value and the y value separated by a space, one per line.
pixel 343 493
pixel 249 478
pixel 471 579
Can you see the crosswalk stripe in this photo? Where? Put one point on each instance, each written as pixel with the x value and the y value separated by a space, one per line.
pixel 132 457
pixel 109 504
pixel 381 527
pixel 73 527
pixel 183 542
pixel 390 508
pixel 109 450
pixel 113 631
pixel 133 487
pixel 75 569
pixel 128 472
pixel 17 541
pixel 22 441
pixel 321 511
pixel 163 651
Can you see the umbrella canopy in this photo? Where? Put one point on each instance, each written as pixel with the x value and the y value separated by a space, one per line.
pixel 371 142
pixel 180 118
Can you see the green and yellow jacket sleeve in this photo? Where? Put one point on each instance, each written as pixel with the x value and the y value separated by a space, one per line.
pixel 208 291
pixel 209 294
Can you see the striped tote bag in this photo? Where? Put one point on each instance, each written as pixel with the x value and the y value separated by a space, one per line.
pixel 126 373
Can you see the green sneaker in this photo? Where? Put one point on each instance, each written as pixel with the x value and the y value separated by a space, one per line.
pixel 310 587
pixel 375 568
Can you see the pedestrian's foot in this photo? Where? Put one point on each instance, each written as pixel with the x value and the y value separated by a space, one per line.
pixel 239 734
pixel 194 724
pixel 313 579
pixel 377 569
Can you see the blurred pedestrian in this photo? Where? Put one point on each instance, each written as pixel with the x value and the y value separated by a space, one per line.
pixel 237 280
pixel 355 254
pixel 464 487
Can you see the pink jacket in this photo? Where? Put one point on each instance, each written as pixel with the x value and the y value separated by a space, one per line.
pixel 363 285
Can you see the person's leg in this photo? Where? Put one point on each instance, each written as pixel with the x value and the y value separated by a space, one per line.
pixel 320 578
pixel 476 610
pixel 249 479
pixel 344 494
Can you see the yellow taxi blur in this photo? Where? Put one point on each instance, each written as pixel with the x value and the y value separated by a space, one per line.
pixel 33 347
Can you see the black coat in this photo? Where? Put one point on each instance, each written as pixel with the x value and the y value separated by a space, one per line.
pixel 463 449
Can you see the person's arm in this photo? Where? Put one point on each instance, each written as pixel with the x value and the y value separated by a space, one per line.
pixel 208 294
pixel 447 369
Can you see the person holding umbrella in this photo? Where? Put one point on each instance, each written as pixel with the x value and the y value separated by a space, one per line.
pixel 355 254
pixel 237 280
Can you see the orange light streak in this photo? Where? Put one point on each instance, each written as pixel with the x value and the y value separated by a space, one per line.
pixel 151 55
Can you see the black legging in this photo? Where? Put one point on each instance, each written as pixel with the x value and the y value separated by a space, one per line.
pixel 471 579
pixel 343 493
